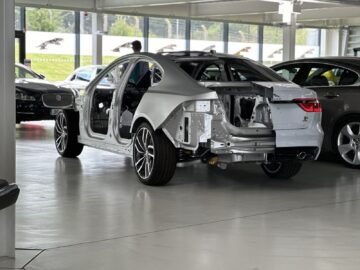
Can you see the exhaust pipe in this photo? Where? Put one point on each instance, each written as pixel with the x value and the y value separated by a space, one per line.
pixel 301 155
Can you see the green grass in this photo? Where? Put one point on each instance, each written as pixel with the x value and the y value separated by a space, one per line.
pixel 57 67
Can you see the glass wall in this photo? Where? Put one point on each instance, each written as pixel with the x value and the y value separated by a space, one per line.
pixel 17 27
pixel 85 38
pixel 166 35
pixel 119 32
pixel 273 48
pixel 17 19
pixel 307 43
pixel 243 40
pixel 50 39
pixel 206 36
pixel 50 42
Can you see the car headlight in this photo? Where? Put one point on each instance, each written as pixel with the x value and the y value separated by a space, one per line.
pixel 24 97
pixel 203 106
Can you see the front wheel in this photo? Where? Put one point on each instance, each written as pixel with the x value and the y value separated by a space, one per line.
pixel 154 156
pixel 66 132
pixel 282 170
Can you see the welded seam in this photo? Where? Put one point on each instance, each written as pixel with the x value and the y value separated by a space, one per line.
pixel 204 223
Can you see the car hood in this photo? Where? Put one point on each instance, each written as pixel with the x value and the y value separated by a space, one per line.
pixel 36 85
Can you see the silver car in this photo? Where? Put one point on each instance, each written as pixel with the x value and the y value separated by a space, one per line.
pixel 187 107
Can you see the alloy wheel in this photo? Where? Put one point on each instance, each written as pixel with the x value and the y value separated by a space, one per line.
pixel 61 132
pixel 348 143
pixel 144 153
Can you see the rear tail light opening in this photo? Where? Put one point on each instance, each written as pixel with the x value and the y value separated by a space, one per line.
pixel 308 104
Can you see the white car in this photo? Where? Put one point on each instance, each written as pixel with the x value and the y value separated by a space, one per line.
pixel 81 77
pixel 188 106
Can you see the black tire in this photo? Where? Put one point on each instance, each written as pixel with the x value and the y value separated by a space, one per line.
pixel 282 170
pixel 154 156
pixel 66 133
pixel 339 138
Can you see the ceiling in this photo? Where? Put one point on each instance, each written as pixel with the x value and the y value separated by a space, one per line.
pixel 321 13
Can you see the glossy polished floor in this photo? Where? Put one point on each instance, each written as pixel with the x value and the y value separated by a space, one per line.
pixel 91 213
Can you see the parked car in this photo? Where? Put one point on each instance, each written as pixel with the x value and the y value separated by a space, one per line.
pixel 81 77
pixel 235 110
pixel 29 89
pixel 336 81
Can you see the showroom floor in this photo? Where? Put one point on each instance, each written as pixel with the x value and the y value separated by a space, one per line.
pixel 92 213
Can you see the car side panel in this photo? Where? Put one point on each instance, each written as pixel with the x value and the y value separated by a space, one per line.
pixel 157 107
pixel 335 107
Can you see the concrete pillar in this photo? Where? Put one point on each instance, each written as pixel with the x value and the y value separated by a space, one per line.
pixel 7 121
pixel 97 33
pixel 330 42
pixel 289 39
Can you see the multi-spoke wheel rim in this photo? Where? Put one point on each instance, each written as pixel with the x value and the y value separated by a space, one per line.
pixel 348 143
pixel 144 153
pixel 61 132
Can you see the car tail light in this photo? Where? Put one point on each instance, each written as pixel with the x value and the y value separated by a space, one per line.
pixel 308 104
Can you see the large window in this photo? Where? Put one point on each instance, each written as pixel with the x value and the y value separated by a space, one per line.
pixel 119 32
pixel 307 43
pixel 166 35
pixel 243 40
pixel 85 38
pixel 273 45
pixel 206 36
pixel 50 42
pixel 17 18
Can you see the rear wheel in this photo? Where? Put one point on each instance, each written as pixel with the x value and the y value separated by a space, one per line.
pixel 282 170
pixel 66 131
pixel 154 156
pixel 346 141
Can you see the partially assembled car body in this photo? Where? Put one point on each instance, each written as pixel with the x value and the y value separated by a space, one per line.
pixel 186 106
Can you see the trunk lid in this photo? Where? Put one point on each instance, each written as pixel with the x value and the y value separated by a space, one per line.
pixel 285 113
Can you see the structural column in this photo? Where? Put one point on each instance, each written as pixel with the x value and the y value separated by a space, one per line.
pixel 289 39
pixel 97 33
pixel 7 121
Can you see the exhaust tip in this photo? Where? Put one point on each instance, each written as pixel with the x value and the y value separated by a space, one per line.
pixel 301 155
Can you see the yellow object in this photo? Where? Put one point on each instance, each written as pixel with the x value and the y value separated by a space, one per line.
pixel 213 161
pixel 329 75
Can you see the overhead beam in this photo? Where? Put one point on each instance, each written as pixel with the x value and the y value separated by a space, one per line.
pixel 329 13
pixel 233 8
pixel 60 4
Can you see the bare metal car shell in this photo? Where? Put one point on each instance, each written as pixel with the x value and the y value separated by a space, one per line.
pixel 163 106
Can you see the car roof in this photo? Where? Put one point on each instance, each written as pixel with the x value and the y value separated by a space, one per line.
pixel 27 68
pixel 198 55
pixel 345 61
pixel 91 66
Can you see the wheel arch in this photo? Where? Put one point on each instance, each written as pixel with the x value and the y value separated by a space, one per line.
pixel 138 121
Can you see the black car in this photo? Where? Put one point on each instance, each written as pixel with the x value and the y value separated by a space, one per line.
pixel 337 83
pixel 30 87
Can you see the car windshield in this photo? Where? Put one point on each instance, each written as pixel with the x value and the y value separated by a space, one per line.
pixel 23 73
